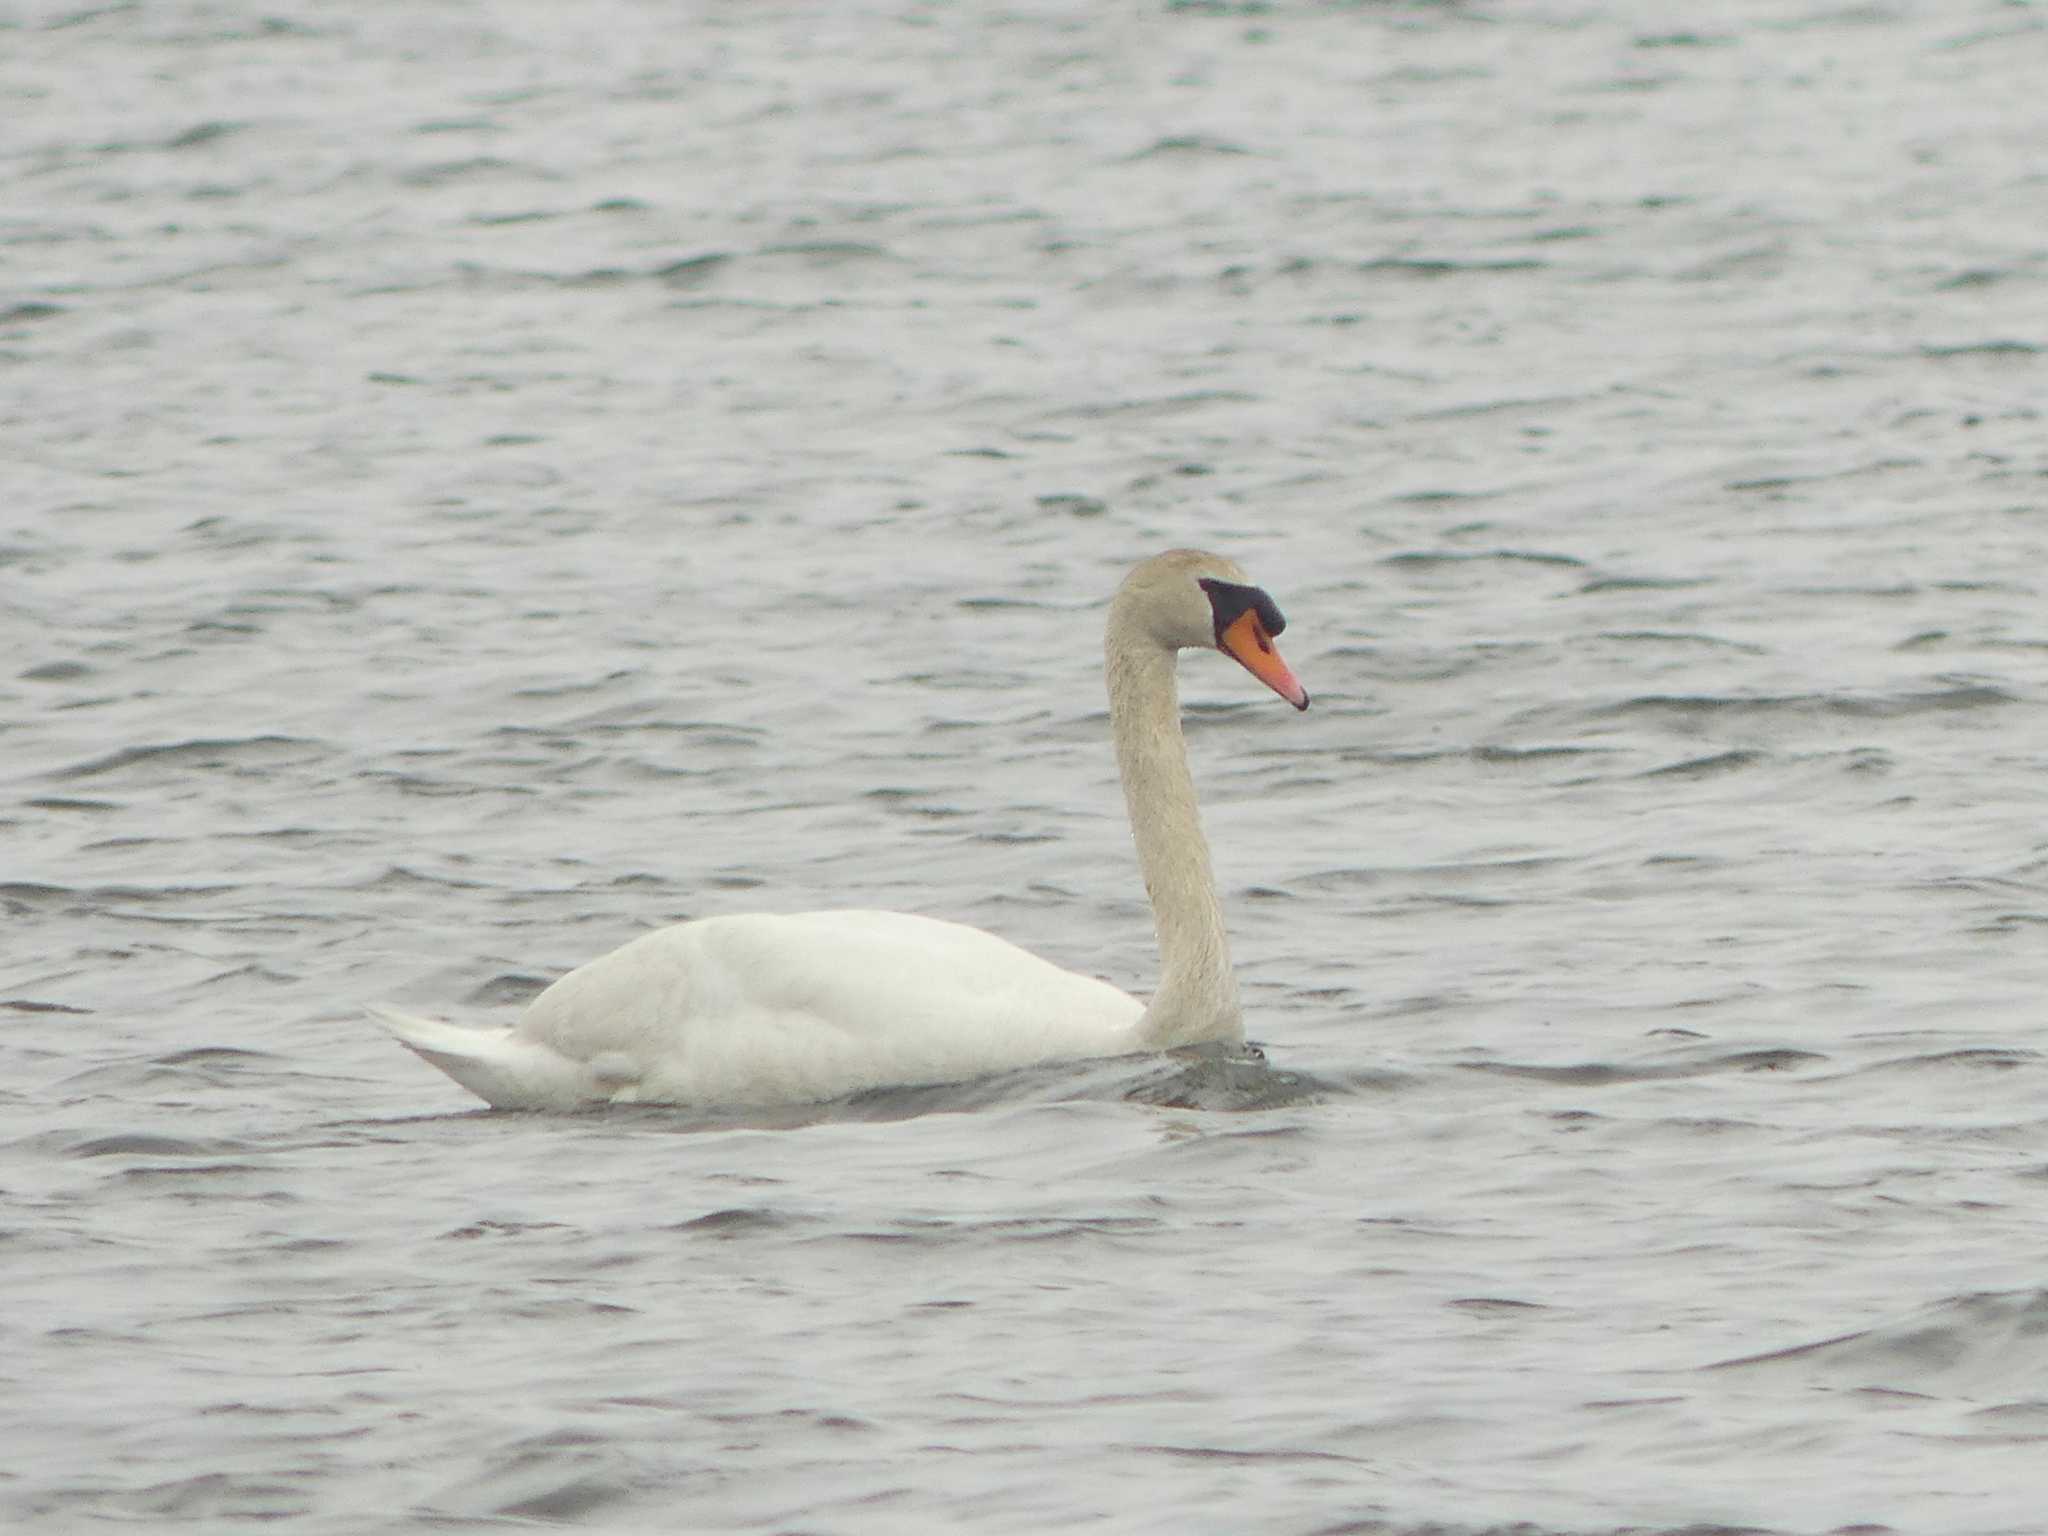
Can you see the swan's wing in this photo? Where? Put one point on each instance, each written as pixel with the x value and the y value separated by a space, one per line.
pixel 772 1009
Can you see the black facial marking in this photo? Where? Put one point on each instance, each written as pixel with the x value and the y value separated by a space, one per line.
pixel 1228 601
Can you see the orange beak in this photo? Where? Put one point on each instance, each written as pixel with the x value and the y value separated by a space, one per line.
pixel 1247 643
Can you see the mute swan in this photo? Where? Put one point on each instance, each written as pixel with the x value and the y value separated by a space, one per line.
pixel 765 1009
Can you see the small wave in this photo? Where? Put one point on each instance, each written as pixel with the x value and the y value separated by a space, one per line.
pixel 557 1477
pixel 146 1144
pixel 1155 407
pixel 813 254
pixel 2002 348
pixel 176 1176
pixel 101 1143
pixel 735 1221
pixel 1595 1074
pixel 229 1057
pixel 24 896
pixel 221 1064
pixel 1976 1342
pixel 1186 145
pixel 34 1005
pixel 441 173
pixel 1282 1456
pixel 1516 756
pixel 1958 696
pixel 1786 479
pixel 1706 767
pixel 693 271
pixel 1600 584
pixel 1507 405
pixel 1025 1229
pixel 1432 267
pixel 1968 1058
pixel 1432 557
pixel 1462 872
pixel 209 753
pixel 494 1228
pixel 1393 665
pixel 397 877
pixel 209 1496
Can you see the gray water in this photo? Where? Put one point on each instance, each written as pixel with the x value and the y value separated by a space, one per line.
pixel 482 480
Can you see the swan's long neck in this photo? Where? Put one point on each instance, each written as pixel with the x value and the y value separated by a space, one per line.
pixel 1197 995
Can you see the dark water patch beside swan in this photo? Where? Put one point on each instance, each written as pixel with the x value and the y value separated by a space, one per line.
pixel 1227 1080
pixel 509 989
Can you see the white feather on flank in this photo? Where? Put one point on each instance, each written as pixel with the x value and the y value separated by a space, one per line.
pixel 762 1009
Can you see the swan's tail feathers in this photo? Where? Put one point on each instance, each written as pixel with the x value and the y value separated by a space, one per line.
pixel 503 1071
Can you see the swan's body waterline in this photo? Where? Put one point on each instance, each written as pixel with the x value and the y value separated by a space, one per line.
pixel 760 1009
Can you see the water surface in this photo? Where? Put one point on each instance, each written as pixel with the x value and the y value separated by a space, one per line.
pixel 485 480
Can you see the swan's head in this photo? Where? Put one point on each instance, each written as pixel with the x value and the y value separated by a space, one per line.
pixel 1188 599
